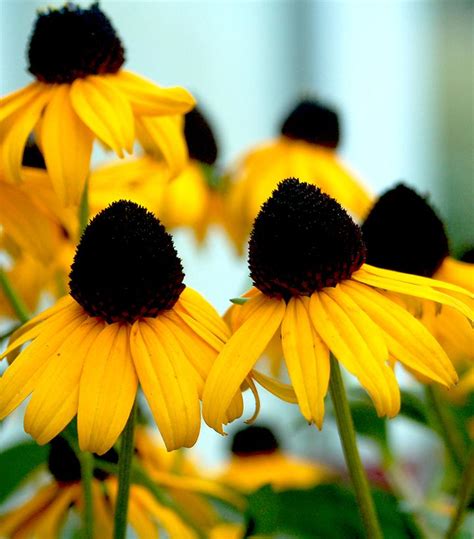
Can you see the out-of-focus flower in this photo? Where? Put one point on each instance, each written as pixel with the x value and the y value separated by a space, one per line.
pixel 306 258
pixel 305 150
pixel 129 318
pixel 81 93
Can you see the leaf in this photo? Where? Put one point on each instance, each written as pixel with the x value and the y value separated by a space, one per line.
pixel 17 462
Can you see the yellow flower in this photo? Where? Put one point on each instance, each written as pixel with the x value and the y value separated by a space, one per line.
pixel 305 150
pixel 306 258
pixel 257 460
pixel 82 94
pixel 403 233
pixel 128 319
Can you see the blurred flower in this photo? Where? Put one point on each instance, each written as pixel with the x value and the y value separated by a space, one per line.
pixel 306 150
pixel 306 258
pixel 82 94
pixel 257 460
pixel 128 318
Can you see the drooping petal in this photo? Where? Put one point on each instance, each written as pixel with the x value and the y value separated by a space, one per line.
pixel 347 344
pixel 108 387
pixel 168 383
pixel 17 100
pixel 55 397
pixel 283 391
pixel 149 99
pixel 456 272
pixel 67 146
pixel 407 339
pixel 307 360
pixel 238 357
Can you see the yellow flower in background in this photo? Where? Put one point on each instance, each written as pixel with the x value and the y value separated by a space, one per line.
pixel 306 258
pixel 81 94
pixel 403 233
pixel 192 199
pixel 129 319
pixel 257 460
pixel 306 149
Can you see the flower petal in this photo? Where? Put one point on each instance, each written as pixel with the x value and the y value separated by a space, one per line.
pixel 283 391
pixel 108 387
pixel 19 99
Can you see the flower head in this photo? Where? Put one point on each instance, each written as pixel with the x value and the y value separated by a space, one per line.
pixel 306 258
pixel 128 319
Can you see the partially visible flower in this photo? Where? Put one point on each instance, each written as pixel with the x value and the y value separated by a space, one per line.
pixel 258 460
pixel 129 318
pixel 306 149
pixel 81 94
pixel 307 260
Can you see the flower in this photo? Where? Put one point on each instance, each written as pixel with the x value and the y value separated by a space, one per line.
pixel 306 259
pixel 127 319
pixel 81 93
pixel 257 460
pixel 306 150
pixel 45 513
pixel 192 199
pixel 403 233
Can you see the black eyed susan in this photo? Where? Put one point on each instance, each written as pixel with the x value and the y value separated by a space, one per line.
pixel 128 319
pixel 403 233
pixel 81 93
pixel 307 262
pixel 305 149
pixel 258 460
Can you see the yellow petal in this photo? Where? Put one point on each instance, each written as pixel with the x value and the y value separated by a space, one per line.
pixel 346 343
pixel 55 397
pixel 238 357
pixel 67 147
pixel 307 360
pixel 167 382
pixel 147 98
pixel 108 387
pixel 19 99
pixel 283 391
pixel 105 111
pixel 456 272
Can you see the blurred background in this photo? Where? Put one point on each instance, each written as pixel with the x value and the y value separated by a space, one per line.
pixel 400 73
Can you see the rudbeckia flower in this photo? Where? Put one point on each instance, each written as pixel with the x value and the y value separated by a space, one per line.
pixel 81 94
pixel 307 262
pixel 192 199
pixel 46 512
pixel 128 319
pixel 403 233
pixel 305 149
pixel 258 460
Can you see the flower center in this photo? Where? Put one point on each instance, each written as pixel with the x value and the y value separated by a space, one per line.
pixel 200 139
pixel 403 233
pixel 126 266
pixel 468 256
pixel 71 43
pixel 314 123
pixel 254 440
pixel 302 241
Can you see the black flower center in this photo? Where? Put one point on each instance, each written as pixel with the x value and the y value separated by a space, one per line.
pixel 403 233
pixel 468 256
pixel 64 465
pixel 200 139
pixel 71 43
pixel 126 266
pixel 254 440
pixel 314 123
pixel 302 241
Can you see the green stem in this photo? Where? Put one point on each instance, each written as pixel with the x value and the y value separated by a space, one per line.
pixel 346 430
pixel 84 208
pixel 446 427
pixel 124 476
pixel 465 490
pixel 87 468
pixel 15 301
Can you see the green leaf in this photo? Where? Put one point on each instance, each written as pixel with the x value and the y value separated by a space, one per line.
pixel 17 462
pixel 239 301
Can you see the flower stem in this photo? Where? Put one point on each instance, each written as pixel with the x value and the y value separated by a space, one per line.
pixel 87 467
pixel 446 428
pixel 346 430
pixel 84 208
pixel 15 301
pixel 465 490
pixel 124 476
